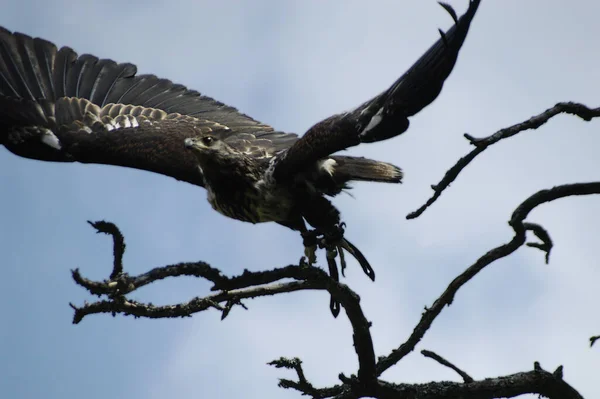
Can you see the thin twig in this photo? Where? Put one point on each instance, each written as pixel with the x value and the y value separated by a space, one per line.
pixel 302 385
pixel 432 355
pixel 580 110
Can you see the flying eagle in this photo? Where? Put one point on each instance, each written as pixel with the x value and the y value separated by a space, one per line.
pixel 58 106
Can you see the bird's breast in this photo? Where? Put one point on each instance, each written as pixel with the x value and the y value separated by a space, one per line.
pixel 255 203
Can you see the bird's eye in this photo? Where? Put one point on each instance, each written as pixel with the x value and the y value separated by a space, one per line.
pixel 207 140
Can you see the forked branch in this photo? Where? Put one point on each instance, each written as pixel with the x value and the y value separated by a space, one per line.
pixel 519 238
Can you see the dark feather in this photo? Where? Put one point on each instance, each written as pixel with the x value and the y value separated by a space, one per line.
pixel 13 75
pixel 90 77
pixel 64 58
pixel 45 52
pixel 110 87
pixel 139 91
pixel 30 67
pixel 386 115
pixel 262 144
pixel 73 75
pixel 169 91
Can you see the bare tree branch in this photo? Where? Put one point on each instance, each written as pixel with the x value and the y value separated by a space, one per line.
pixel 537 381
pixel 520 228
pixel 580 110
pixel 466 377
pixel 125 306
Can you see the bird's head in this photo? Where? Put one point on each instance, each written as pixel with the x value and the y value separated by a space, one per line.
pixel 207 146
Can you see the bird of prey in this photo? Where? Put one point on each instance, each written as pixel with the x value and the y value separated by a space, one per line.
pixel 58 106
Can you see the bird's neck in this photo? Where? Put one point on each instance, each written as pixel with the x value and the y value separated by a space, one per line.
pixel 230 171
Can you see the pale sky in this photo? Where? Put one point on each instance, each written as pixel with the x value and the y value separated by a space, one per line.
pixel 291 64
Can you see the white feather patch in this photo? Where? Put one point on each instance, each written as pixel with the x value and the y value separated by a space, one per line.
pixel 328 165
pixel 375 120
pixel 50 139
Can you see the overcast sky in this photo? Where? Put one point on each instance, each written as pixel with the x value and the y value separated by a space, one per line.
pixel 291 64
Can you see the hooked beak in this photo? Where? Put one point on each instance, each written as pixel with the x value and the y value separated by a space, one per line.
pixel 189 143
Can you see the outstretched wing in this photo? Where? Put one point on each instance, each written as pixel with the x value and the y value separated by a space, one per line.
pixel 386 115
pixel 58 106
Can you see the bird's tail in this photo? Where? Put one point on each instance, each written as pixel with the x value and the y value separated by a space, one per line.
pixel 355 168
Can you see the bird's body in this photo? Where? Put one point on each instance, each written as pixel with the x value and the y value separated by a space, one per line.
pixel 240 189
pixel 58 106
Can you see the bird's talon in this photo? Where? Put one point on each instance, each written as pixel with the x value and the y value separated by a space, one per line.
pixel 340 251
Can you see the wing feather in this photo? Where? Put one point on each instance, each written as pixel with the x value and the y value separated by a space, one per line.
pixel 64 59
pixel 385 115
pixel 45 52
pixel 31 67
pixel 261 144
pixel 110 87
pixel 13 76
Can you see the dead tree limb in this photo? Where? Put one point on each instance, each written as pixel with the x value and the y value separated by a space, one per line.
pixel 481 144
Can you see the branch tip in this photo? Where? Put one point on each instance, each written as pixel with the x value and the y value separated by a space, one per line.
pixel 432 355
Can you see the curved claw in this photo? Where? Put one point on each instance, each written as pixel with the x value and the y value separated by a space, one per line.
pixel 333 270
pixel 332 253
pixel 355 252
pixel 342 259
